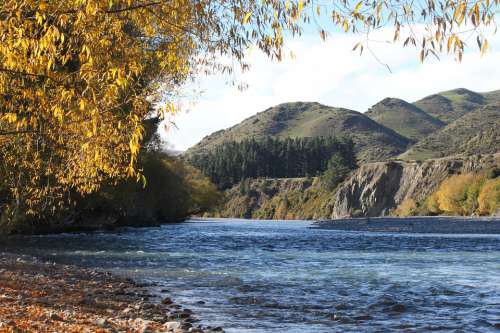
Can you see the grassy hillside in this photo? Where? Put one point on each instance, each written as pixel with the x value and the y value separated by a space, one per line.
pixel 450 105
pixel 477 132
pixel 372 140
pixel 404 118
pixel 492 97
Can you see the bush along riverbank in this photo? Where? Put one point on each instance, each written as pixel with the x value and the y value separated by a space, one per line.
pixel 38 296
pixel 172 191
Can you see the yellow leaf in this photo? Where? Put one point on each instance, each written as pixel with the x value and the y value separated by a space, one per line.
pixel 247 17
pixel 358 7
pixel 484 49
pixel 450 41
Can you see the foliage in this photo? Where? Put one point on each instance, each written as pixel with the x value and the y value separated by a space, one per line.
pixel 234 161
pixel 453 194
pixel 339 167
pixel 406 208
pixel 79 77
pixel 489 197
pixel 174 190
pixel 432 204
pixel 466 194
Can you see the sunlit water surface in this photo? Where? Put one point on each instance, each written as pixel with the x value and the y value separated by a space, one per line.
pixel 285 277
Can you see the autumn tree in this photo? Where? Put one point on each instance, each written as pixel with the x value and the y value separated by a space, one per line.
pixel 466 194
pixel 79 77
pixel 489 197
pixel 407 207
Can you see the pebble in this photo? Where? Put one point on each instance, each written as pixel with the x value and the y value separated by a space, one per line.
pixel 97 303
pixel 166 301
pixel 56 317
pixel 172 325
pixel 10 323
pixel 102 323
pixel 195 330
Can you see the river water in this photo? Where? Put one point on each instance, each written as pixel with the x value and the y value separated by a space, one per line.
pixel 256 276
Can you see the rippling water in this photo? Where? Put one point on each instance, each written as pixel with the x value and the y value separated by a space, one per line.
pixel 284 277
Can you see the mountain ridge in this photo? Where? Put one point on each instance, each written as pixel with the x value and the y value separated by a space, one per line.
pixel 310 119
pixel 391 128
pixel 401 116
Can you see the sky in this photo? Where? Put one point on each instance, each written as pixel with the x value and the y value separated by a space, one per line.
pixel 330 73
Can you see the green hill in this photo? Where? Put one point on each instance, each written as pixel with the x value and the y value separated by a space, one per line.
pixel 492 97
pixel 372 141
pixel 404 118
pixel 477 132
pixel 450 105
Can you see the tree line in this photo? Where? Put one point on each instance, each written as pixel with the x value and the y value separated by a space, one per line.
pixel 233 161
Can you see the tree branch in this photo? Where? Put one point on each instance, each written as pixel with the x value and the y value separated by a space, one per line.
pixel 14 132
pixel 41 76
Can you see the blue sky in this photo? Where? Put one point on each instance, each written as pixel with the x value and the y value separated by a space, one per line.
pixel 329 73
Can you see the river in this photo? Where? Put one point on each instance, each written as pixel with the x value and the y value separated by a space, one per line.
pixel 258 276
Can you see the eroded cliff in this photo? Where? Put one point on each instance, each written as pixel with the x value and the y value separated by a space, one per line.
pixel 376 188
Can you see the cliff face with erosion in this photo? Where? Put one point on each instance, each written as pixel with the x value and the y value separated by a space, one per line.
pixel 376 188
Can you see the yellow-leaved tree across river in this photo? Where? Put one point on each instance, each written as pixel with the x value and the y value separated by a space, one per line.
pixel 79 77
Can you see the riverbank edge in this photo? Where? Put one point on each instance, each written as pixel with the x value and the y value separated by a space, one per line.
pixel 86 225
pixel 416 224
pixel 38 296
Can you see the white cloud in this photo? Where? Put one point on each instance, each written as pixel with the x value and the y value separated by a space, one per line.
pixel 330 73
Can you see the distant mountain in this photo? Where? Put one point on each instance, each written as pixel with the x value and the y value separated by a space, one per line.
pixel 443 124
pixel 404 118
pixel 492 97
pixel 450 105
pixel 477 132
pixel 373 141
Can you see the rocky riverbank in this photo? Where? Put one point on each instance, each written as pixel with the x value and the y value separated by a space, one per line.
pixel 422 225
pixel 40 296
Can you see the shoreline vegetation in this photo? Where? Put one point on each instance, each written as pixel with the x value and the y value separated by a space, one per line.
pixel 38 296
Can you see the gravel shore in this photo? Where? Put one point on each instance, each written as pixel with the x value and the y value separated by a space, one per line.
pixel 38 296
pixel 424 224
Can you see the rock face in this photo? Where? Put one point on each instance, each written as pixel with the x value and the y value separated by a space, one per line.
pixel 376 188
pixel 266 198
